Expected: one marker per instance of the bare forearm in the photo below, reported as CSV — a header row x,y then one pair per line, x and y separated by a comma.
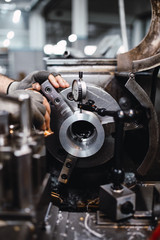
x,y
4,83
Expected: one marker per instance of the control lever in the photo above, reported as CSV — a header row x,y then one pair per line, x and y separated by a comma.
x,y
120,200
120,117
51,94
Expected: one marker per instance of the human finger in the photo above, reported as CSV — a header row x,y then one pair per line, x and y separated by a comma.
x,y
43,126
47,106
46,124
45,111
47,120
62,82
53,81
58,81
36,86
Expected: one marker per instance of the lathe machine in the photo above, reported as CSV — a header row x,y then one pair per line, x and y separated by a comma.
x,y
97,174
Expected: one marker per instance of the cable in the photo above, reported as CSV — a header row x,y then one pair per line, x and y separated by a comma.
x,y
99,235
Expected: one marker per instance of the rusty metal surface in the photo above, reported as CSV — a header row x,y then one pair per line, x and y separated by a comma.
x,y
146,55
88,66
80,62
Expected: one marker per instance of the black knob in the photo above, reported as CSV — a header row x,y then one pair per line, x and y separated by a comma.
x,y
90,102
80,75
64,176
117,178
127,208
124,103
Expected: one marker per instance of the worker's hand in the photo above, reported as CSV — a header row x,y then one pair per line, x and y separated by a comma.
x,y
46,123
39,106
56,80
34,79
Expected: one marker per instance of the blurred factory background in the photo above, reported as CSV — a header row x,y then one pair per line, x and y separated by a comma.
x,y
34,29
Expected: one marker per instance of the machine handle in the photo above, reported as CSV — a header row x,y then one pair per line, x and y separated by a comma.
x,y
50,92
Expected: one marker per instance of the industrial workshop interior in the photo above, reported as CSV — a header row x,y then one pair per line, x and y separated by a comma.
x,y
79,154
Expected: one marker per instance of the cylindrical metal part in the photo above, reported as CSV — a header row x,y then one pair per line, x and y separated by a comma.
x,y
82,134
4,127
25,114
5,170
22,178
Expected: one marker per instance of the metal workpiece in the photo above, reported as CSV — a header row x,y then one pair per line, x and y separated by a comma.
x,y
146,55
82,134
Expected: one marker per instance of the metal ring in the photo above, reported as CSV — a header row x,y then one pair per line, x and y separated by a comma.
x,y
79,143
